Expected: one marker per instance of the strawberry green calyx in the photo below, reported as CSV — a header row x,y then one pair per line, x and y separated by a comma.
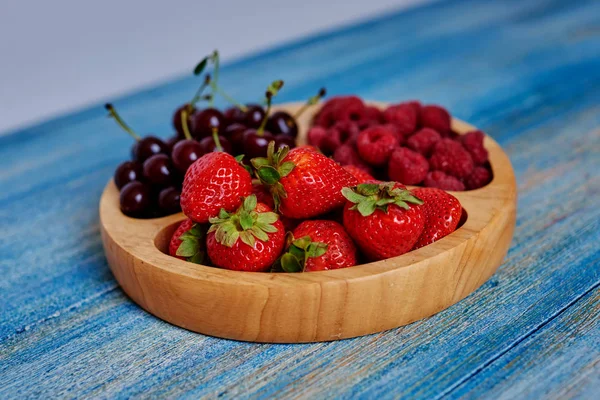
x,y
271,169
192,245
246,224
368,197
299,251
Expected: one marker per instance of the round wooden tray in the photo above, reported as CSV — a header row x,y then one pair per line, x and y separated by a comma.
x,y
314,306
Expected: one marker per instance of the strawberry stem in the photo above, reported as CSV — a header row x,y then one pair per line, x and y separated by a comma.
x,y
113,114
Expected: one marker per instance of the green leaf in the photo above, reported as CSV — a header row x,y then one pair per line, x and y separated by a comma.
x,y
187,248
197,258
250,203
296,252
286,168
383,202
302,243
316,249
246,221
259,234
231,239
223,214
401,204
368,189
352,196
197,231
266,227
367,207
259,162
267,218
289,263
271,152
268,175
283,152
200,67
247,238
275,87
239,158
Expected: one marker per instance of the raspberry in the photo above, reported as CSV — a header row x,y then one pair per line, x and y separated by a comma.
x,y
394,129
423,141
450,157
473,142
341,108
407,167
403,116
480,177
316,134
347,155
435,117
340,133
361,175
416,105
372,116
375,145
441,180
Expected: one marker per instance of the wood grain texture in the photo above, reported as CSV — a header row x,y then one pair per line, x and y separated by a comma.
x,y
311,307
527,73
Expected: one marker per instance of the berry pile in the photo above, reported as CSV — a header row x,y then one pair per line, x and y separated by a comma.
x,y
150,183
304,212
408,143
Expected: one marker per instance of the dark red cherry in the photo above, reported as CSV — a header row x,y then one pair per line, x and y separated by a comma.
x,y
135,199
185,153
283,140
171,142
158,170
177,120
208,145
147,147
233,115
256,145
168,200
254,115
126,172
235,134
206,120
282,123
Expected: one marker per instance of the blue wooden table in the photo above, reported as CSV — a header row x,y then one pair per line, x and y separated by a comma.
x,y
527,72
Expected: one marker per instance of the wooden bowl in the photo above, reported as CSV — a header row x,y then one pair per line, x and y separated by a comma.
x,y
313,306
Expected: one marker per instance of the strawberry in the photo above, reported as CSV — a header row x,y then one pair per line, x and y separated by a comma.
x,y
250,239
442,213
360,174
318,245
187,242
384,219
216,180
304,183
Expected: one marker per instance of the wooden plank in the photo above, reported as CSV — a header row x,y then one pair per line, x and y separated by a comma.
x,y
527,73
560,360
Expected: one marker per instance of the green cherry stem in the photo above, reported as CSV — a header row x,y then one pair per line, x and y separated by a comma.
x,y
184,123
113,114
310,102
214,82
229,98
198,95
215,135
261,129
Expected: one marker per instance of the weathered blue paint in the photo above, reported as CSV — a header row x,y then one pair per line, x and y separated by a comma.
x,y
526,72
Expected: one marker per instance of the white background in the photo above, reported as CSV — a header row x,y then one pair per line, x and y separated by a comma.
x,y
61,55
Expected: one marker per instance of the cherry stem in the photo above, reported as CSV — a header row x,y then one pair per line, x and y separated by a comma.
x,y
215,136
198,96
113,113
310,102
229,98
261,128
184,123
215,80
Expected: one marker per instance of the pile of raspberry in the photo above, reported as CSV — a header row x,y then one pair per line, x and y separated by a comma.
x,y
407,142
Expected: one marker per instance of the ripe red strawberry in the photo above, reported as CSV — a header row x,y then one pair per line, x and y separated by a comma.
x,y
441,180
442,213
480,177
403,116
407,166
251,239
187,242
375,144
437,118
318,245
304,183
360,174
383,219
347,155
473,142
216,180
423,141
451,157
